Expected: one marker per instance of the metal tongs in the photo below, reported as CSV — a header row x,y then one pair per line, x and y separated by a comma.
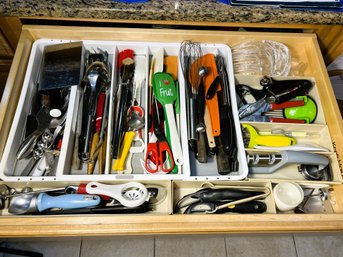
x,y
96,78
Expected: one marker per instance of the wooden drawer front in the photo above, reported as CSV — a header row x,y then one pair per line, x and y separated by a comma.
x,y
303,47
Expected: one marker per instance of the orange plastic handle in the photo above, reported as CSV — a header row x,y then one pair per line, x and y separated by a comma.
x,y
212,104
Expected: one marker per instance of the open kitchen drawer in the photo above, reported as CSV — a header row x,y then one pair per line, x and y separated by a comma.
x,y
304,48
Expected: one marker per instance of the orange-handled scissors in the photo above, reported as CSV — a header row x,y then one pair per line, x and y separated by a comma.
x,y
158,153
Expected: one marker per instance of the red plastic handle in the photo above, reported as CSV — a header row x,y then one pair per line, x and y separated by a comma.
x,y
287,104
284,120
81,189
165,151
150,157
100,111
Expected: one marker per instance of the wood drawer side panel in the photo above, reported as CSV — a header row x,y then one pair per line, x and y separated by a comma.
x,y
13,87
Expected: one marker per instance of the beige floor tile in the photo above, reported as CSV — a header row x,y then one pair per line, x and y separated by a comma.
x,y
50,247
118,246
260,246
189,246
319,245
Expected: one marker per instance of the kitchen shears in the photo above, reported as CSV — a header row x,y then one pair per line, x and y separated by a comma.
x,y
158,155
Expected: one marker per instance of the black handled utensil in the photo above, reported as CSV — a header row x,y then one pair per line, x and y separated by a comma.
x,y
227,143
211,207
124,97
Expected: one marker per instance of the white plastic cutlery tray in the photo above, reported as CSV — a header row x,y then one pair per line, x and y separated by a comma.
x,y
10,171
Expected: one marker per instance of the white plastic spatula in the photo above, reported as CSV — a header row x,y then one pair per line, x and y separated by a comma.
x,y
139,78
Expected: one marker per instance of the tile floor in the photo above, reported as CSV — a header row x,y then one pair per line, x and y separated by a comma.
x,y
257,245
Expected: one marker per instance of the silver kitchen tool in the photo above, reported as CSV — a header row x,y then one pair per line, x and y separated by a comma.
x,y
315,201
34,159
26,147
189,53
312,166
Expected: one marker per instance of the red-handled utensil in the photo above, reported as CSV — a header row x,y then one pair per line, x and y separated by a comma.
x,y
95,138
158,148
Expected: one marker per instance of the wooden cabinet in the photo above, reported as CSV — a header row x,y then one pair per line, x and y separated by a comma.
x,y
305,48
10,28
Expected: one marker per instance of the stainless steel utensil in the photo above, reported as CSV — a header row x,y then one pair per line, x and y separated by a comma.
x,y
190,52
26,147
39,202
96,78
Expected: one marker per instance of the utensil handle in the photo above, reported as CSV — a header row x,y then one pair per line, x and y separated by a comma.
x,y
192,119
100,111
117,192
119,122
40,168
227,128
223,164
28,144
86,138
102,156
201,147
76,160
213,108
145,207
28,168
68,201
274,140
249,207
223,194
120,162
91,164
175,142
210,138
285,120
201,103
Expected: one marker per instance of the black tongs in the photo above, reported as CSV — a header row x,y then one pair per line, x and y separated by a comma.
x,y
275,91
212,207
216,196
279,91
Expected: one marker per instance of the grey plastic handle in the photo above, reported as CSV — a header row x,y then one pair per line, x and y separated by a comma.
x,y
292,157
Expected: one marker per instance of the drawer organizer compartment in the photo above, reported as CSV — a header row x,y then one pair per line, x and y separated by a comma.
x,y
165,198
290,197
298,97
33,128
284,130
194,197
130,94
306,149
76,198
